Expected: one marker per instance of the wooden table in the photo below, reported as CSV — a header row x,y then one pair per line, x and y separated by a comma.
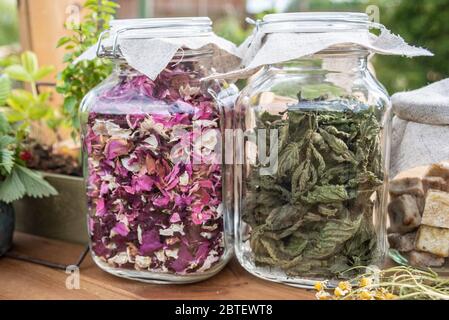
x,y
24,280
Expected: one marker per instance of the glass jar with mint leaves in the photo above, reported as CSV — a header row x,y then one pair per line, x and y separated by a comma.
x,y
152,133
311,161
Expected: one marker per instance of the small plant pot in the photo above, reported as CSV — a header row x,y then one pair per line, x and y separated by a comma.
x,y
61,217
6,227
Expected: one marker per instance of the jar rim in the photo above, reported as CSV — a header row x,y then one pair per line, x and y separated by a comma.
x,y
315,22
157,27
150,28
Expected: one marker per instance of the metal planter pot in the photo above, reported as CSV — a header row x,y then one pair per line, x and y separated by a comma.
x,y
61,217
6,226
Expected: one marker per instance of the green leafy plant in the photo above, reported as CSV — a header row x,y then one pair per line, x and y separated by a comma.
x,y
16,180
77,79
9,59
25,107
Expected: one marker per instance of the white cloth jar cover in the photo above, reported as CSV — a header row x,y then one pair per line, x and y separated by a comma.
x,y
286,36
420,127
148,45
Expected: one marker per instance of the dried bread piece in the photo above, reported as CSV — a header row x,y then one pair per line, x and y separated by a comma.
x,y
439,170
433,240
402,243
436,210
407,185
404,214
425,259
436,183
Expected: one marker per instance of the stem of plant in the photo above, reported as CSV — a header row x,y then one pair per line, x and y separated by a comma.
x,y
33,89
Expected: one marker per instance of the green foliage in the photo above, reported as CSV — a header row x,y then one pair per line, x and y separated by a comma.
x,y
230,27
6,148
24,182
28,70
22,108
25,107
5,89
9,27
17,181
422,23
76,80
8,60
327,5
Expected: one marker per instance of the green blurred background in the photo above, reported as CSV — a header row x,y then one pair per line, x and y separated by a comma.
x,y
424,23
8,22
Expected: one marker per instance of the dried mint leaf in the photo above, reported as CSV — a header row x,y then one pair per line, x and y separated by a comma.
x,y
326,194
333,235
283,217
315,215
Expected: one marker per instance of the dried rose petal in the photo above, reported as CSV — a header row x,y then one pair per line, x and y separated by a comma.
x,y
150,242
161,201
183,260
101,207
115,148
149,210
144,183
121,229
175,218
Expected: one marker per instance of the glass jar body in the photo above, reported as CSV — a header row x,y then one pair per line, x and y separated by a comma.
x,y
156,185
311,170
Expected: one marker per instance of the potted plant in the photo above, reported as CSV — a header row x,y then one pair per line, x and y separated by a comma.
x,y
16,180
63,217
28,111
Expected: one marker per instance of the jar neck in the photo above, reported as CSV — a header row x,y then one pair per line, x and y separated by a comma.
x,y
195,61
349,60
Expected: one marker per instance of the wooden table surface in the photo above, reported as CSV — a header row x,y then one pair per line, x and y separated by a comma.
x,y
24,280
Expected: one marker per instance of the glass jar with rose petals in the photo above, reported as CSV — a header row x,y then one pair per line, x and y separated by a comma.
x,y
156,184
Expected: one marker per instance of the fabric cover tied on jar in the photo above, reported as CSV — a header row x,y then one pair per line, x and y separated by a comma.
x,y
420,133
275,40
144,44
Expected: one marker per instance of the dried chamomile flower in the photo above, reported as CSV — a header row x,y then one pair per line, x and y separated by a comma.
x,y
345,286
339,292
320,285
363,282
323,295
366,295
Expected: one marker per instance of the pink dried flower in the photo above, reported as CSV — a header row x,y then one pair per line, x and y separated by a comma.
x,y
104,189
183,260
199,214
161,201
175,218
115,148
150,242
121,229
144,183
206,184
101,207
139,195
